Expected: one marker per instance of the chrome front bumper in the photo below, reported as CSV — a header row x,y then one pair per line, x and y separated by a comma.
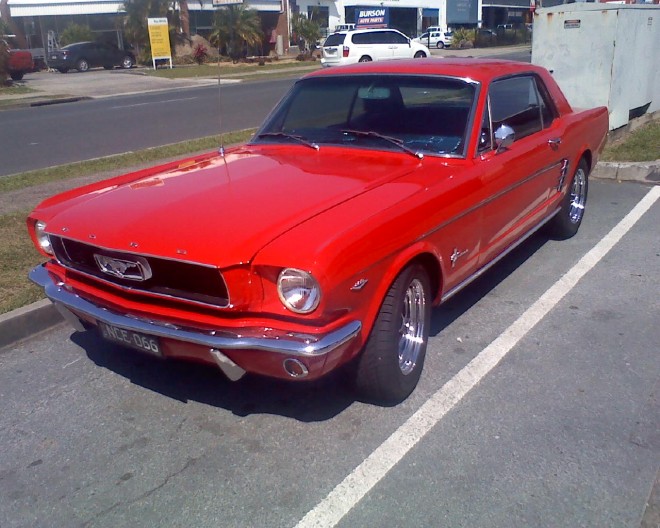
x,y
253,338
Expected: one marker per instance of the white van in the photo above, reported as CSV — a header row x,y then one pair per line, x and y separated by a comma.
x,y
365,45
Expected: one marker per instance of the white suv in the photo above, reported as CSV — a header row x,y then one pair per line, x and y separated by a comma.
x,y
364,45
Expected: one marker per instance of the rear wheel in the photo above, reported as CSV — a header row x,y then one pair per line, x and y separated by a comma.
x,y
82,65
567,221
127,62
17,75
440,44
365,58
391,364
420,55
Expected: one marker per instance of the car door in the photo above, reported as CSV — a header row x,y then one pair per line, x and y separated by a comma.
x,y
380,45
522,179
399,45
93,54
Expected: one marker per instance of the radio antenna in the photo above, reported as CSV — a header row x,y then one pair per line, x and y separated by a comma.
x,y
222,134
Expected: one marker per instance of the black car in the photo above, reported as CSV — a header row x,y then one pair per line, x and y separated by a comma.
x,y
85,55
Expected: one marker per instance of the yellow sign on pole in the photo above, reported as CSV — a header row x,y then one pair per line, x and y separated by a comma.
x,y
159,37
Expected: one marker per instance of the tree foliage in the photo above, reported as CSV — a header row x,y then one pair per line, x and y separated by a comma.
x,y
76,33
135,21
236,29
306,30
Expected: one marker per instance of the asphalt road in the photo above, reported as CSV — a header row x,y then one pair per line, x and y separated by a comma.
x,y
562,432
40,137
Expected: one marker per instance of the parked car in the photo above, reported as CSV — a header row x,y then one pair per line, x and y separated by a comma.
x,y
19,62
371,193
82,56
365,45
436,39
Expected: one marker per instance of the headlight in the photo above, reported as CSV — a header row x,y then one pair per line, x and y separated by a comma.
x,y
298,290
42,237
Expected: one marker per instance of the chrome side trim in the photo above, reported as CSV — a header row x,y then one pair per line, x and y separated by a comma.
x,y
253,338
499,257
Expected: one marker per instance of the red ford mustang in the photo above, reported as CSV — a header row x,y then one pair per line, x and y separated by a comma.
x,y
371,193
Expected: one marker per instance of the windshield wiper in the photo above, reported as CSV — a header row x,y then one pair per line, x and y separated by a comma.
x,y
300,139
394,141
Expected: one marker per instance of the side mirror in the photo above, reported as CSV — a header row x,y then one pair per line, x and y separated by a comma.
x,y
504,137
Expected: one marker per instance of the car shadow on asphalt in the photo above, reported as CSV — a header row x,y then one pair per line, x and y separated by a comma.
x,y
304,401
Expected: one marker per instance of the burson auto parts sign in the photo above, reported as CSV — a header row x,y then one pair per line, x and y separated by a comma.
x,y
372,17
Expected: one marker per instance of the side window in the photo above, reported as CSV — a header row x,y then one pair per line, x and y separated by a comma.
x,y
380,37
361,38
486,133
548,112
397,38
515,102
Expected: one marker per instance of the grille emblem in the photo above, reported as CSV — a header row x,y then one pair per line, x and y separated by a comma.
x,y
137,269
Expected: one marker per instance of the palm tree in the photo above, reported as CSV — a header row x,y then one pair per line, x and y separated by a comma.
x,y
135,22
235,28
306,30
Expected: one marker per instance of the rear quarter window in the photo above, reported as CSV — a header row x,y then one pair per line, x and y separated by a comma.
x,y
336,39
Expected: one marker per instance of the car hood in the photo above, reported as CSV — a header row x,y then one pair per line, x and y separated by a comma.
x,y
222,211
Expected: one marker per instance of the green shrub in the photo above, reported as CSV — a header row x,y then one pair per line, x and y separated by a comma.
x,y
76,33
461,37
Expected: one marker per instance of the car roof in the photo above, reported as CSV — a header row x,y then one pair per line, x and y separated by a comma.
x,y
480,70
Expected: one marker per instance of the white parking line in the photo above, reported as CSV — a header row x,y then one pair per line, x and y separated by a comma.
x,y
364,477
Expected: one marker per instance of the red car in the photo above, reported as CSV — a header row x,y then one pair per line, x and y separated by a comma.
x,y
371,193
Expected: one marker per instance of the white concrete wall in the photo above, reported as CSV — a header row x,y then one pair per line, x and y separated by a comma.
x,y
602,55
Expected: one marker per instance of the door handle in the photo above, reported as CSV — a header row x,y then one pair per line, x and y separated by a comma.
x,y
554,143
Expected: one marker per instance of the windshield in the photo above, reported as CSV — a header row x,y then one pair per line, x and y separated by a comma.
x,y
427,114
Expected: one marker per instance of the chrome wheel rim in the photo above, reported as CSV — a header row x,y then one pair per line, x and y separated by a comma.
x,y
412,331
578,196
127,63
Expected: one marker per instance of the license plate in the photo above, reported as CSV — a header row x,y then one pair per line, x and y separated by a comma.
x,y
128,338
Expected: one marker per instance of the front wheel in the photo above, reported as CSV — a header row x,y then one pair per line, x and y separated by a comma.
x,y
16,75
567,221
440,44
127,62
420,55
391,364
82,65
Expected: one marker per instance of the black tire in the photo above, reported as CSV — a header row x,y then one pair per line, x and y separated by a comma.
x,y
82,65
62,70
567,221
420,55
127,62
365,58
391,363
440,44
16,75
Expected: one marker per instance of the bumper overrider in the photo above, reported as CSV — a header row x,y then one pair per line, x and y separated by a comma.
x,y
258,350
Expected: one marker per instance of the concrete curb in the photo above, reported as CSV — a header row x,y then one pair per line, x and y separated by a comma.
x,y
645,172
27,321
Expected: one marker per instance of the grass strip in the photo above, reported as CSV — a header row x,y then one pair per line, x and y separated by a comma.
x,y
641,145
228,69
17,257
119,161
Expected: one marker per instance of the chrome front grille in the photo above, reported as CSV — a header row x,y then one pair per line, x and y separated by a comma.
x,y
168,278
